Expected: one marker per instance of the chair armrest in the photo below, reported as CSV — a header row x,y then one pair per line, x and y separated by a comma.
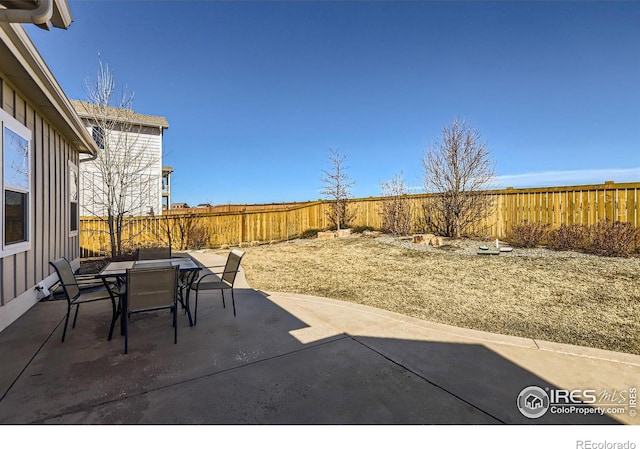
x,y
83,277
201,278
205,275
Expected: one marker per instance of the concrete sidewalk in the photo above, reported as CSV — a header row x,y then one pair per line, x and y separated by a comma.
x,y
288,359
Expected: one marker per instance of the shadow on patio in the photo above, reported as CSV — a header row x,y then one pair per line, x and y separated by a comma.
x,y
284,359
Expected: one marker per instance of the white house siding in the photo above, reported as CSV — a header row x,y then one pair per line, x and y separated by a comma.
x,y
149,148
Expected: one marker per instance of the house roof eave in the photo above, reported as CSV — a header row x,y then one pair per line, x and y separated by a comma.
x,y
83,108
40,13
24,67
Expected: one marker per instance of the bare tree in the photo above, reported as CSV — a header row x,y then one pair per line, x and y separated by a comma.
x,y
120,181
182,231
337,187
396,210
457,171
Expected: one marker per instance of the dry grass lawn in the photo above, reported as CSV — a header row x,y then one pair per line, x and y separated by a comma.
x,y
587,301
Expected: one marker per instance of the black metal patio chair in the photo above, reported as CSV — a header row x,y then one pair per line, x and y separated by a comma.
x,y
225,282
150,289
153,253
80,289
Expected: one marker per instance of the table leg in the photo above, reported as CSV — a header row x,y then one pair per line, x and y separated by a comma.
x,y
116,308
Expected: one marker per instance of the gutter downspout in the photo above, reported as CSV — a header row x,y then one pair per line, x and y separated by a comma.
x,y
41,15
93,157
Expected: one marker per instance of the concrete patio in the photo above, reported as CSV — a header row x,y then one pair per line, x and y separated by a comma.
x,y
286,359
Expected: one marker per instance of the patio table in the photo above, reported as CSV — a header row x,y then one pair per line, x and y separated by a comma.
x,y
118,270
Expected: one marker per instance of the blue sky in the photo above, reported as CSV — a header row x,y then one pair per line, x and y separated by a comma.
x,y
257,93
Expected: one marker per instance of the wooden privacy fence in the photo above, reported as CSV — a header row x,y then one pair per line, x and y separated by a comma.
x,y
553,206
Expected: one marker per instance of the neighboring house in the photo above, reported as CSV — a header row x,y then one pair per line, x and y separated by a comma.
x,y
145,134
41,142
179,206
166,187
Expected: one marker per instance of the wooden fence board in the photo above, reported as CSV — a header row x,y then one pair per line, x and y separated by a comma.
x,y
553,206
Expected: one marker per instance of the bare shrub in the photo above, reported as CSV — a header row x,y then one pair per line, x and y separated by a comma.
x,y
198,237
527,234
341,214
457,171
396,210
568,237
182,232
616,239
337,187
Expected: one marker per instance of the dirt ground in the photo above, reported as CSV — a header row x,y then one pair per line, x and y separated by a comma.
x,y
560,296
566,297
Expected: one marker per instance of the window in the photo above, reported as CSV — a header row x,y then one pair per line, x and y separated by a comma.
x,y
98,136
15,147
74,188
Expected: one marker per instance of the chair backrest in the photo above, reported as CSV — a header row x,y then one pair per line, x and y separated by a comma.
x,y
151,288
232,266
154,253
66,277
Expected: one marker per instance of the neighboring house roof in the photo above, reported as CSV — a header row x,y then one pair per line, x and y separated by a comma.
x,y
85,109
179,205
22,65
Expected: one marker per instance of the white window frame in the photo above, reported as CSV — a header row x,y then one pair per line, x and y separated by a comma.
x,y
97,130
7,121
73,168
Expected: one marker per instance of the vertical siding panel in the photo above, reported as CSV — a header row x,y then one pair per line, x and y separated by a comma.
x,y
49,248
7,99
8,263
30,256
44,242
64,200
39,218
8,291
20,259
57,190
20,274
20,113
